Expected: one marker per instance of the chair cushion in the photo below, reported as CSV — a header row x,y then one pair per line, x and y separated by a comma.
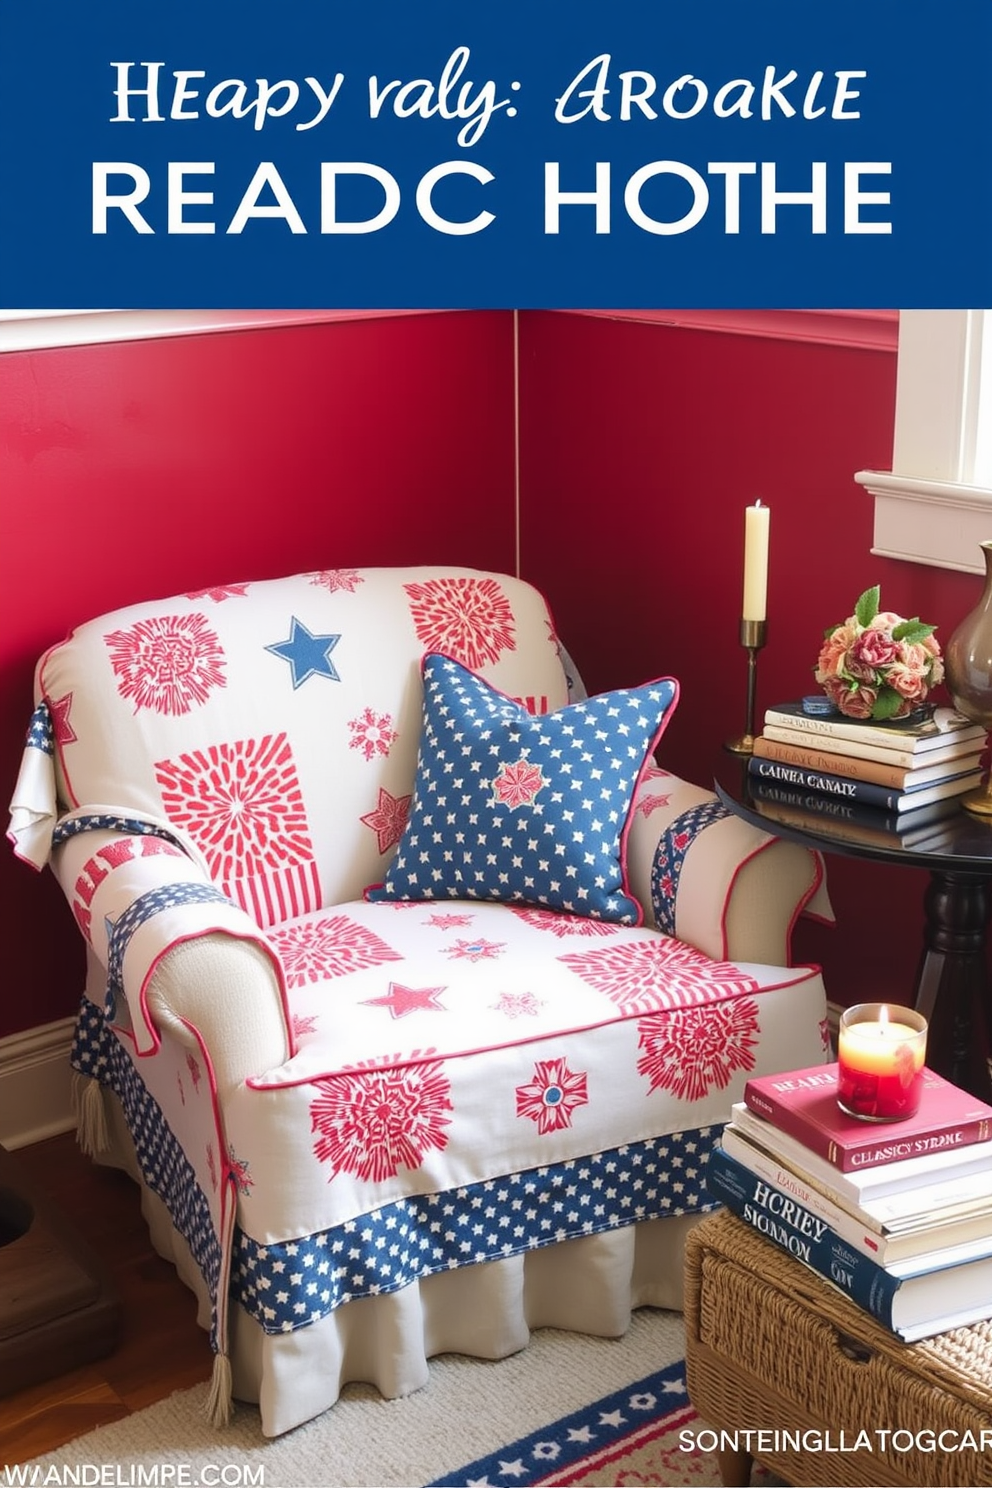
x,y
512,807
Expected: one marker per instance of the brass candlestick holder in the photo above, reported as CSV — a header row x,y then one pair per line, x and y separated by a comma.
x,y
753,635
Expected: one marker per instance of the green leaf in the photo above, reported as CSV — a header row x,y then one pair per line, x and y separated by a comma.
x,y
912,630
887,704
867,606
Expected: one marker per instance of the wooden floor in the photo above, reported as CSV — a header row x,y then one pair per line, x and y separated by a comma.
x,y
161,1347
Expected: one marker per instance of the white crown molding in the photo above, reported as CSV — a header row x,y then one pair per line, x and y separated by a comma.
x,y
33,330
867,330
939,523
36,1084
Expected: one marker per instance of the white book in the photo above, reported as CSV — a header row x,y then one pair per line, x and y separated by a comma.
x,y
935,1245
889,754
892,1191
945,726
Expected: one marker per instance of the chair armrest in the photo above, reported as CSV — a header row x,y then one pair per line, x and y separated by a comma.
x,y
176,951
713,880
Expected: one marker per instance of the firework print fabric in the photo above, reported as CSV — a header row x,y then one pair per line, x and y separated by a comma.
x,y
273,725
467,1079
442,1045
523,808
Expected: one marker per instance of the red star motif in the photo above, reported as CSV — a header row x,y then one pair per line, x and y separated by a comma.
x,y
59,709
402,1000
388,819
647,804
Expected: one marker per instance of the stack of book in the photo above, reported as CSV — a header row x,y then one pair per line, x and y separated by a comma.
x,y
897,1215
864,781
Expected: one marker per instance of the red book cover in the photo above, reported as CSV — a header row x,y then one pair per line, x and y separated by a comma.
x,y
803,1103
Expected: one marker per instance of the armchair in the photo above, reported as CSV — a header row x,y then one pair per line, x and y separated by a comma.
x,y
417,993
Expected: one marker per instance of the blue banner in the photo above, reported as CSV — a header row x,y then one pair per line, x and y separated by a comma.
x,y
644,153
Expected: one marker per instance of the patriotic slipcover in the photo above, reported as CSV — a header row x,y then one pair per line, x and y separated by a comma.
x,y
373,1128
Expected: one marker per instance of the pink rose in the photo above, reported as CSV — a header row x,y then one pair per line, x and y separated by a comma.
x,y
910,682
860,671
856,704
833,652
874,648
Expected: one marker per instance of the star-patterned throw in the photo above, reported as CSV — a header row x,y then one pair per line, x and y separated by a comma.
x,y
521,808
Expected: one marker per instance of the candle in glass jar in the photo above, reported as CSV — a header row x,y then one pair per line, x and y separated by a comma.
x,y
880,1057
756,524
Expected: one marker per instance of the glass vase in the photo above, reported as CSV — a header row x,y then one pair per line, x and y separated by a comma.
x,y
968,674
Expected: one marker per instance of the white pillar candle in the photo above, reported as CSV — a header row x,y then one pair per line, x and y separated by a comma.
x,y
756,520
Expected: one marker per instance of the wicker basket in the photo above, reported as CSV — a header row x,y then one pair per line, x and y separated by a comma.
x,y
772,1348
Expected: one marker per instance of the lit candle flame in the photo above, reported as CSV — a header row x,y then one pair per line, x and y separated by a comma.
x,y
883,1020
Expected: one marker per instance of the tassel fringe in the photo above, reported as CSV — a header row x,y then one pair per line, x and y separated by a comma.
x,y
219,1401
91,1115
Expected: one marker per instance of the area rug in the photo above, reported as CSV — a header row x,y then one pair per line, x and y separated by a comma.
x,y
566,1410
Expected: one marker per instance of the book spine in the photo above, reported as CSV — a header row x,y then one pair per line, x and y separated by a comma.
x,y
787,1223
827,816
808,757
819,780
866,733
851,1223
884,1149
889,754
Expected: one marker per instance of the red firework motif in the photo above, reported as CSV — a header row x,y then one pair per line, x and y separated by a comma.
x,y
552,1096
643,976
388,819
442,921
315,950
334,579
517,784
516,1004
467,619
476,950
192,1064
691,1051
561,924
170,663
219,592
372,733
375,1119
242,805
304,1025
242,1176
59,708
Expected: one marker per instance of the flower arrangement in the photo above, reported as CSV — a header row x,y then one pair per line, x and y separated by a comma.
x,y
876,664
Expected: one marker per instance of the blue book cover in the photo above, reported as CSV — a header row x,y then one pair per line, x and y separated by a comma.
x,y
912,1307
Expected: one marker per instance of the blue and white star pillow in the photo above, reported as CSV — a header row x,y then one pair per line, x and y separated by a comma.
x,y
523,808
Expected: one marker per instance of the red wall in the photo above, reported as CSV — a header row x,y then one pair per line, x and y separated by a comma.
x,y
158,466
641,444
151,467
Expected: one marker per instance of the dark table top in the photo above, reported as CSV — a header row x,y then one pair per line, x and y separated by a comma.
x,y
958,842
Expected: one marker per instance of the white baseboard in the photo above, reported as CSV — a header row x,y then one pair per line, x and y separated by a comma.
x,y
35,1084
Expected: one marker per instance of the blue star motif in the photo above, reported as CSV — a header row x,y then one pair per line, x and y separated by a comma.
x,y
309,655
